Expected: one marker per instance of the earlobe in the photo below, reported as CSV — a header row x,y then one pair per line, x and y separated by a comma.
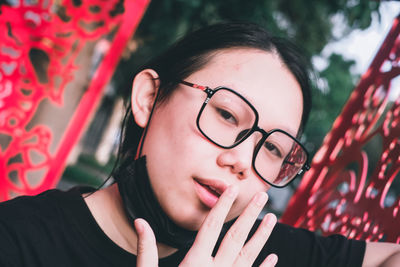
x,y
144,91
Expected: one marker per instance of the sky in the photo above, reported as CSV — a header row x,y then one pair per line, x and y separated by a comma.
x,y
362,45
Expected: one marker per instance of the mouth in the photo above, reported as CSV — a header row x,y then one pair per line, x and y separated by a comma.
x,y
209,191
212,190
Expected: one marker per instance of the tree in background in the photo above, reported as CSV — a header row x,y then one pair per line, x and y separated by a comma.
x,y
309,23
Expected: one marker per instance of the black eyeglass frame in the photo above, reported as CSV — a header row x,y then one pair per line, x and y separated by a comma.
x,y
255,128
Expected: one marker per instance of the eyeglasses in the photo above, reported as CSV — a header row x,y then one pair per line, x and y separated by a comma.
x,y
226,119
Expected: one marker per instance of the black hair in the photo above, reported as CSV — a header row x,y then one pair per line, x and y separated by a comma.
x,y
191,53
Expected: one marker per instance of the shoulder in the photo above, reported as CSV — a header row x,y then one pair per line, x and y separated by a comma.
x,y
22,220
32,213
301,247
30,225
47,205
28,207
25,206
27,216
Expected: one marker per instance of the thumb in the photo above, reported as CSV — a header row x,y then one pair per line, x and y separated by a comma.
x,y
147,255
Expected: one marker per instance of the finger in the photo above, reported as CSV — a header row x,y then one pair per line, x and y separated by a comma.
x,y
270,261
253,247
234,239
147,254
211,227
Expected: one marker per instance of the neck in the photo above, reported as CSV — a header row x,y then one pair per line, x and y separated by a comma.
x,y
107,208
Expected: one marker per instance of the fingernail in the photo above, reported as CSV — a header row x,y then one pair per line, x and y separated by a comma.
x,y
138,226
273,258
270,220
232,191
261,199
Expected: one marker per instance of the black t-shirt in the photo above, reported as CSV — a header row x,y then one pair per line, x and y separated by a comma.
x,y
56,228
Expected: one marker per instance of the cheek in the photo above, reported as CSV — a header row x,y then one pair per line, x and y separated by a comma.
x,y
173,143
172,127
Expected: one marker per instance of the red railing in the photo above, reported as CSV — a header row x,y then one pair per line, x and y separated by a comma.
x,y
44,56
347,190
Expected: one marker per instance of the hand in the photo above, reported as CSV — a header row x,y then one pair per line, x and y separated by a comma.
x,y
233,251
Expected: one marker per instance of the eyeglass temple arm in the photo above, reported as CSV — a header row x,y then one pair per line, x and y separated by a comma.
x,y
306,166
201,87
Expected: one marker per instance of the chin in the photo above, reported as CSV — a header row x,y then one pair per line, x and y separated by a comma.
x,y
190,220
191,226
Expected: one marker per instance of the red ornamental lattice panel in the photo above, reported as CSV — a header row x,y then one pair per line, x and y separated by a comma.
x,y
50,51
354,183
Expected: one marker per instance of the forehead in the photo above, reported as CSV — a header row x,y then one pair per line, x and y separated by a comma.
x,y
261,78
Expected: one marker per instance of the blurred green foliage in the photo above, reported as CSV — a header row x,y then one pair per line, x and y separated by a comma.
x,y
308,23
329,99
88,171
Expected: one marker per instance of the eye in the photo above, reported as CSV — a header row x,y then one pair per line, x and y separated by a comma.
x,y
227,116
272,148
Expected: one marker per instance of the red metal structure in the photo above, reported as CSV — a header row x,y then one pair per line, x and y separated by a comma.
x,y
347,191
41,43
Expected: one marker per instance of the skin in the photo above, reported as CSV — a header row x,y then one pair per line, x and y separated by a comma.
x,y
276,96
177,153
176,149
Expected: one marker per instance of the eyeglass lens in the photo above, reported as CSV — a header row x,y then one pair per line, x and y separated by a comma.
x,y
226,119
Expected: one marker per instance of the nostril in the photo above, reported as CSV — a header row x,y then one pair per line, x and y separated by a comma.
x,y
237,163
240,173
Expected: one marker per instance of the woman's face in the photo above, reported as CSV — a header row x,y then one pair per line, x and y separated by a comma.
x,y
182,163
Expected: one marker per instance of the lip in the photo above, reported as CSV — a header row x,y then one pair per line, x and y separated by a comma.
x,y
209,190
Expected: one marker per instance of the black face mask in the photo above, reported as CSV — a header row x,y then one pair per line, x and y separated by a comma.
x,y
140,202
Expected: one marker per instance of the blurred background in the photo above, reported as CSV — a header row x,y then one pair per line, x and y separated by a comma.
x,y
339,38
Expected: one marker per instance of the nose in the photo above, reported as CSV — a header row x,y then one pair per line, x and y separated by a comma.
x,y
239,158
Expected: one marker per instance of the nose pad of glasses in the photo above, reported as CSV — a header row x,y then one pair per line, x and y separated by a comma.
x,y
241,135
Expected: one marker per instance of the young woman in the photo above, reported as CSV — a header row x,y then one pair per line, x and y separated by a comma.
x,y
221,111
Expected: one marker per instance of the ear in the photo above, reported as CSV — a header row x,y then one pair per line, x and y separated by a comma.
x,y
144,91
